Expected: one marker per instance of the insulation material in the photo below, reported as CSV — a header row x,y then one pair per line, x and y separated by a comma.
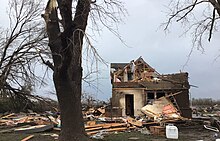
x,y
161,108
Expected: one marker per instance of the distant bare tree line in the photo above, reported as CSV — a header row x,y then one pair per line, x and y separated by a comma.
x,y
205,101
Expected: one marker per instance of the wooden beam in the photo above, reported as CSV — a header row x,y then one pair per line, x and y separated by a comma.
x,y
27,138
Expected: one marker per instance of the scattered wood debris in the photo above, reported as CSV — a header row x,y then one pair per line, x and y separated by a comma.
x,y
28,138
156,116
34,129
157,130
134,122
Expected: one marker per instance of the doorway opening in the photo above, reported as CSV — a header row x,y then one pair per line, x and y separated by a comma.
x,y
129,105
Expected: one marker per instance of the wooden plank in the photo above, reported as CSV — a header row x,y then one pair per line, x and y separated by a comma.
x,y
106,125
92,132
57,129
134,122
34,129
93,126
5,122
91,123
92,129
8,115
27,138
117,129
118,124
53,120
112,125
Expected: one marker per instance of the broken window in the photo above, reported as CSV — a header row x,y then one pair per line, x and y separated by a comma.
x,y
150,97
160,94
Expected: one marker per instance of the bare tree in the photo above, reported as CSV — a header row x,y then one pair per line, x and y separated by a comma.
x,y
66,37
23,45
199,16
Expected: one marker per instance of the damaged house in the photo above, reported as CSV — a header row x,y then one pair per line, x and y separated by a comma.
x,y
137,84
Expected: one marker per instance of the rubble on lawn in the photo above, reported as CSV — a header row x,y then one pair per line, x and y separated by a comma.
x,y
156,116
27,122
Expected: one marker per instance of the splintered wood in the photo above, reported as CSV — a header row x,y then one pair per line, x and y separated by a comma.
x,y
106,127
35,123
27,138
27,123
134,122
157,130
14,119
130,124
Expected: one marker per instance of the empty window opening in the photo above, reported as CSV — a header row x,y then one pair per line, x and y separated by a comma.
x,y
160,94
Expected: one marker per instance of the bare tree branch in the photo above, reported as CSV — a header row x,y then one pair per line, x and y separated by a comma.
x,y
212,24
18,56
201,25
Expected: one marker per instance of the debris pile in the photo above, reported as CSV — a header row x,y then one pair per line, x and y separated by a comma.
x,y
156,120
16,119
94,113
161,110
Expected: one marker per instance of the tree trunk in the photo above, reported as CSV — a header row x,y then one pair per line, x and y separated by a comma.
x,y
66,48
69,96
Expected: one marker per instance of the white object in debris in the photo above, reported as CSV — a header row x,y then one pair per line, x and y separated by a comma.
x,y
217,139
59,123
171,131
155,79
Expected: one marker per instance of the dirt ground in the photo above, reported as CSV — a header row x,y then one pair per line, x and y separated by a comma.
x,y
192,133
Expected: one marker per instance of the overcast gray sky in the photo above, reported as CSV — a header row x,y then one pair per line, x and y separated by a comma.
x,y
167,53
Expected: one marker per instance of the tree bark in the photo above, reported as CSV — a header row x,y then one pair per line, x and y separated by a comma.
x,y
69,97
66,48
